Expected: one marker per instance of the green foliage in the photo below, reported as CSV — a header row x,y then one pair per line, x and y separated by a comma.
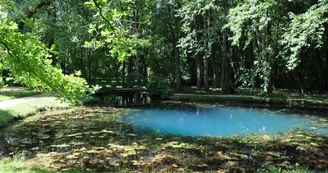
x,y
279,30
122,41
248,77
259,23
159,83
28,60
296,169
192,16
304,31
128,41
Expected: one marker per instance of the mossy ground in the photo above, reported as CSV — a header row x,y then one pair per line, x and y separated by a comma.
x,y
95,139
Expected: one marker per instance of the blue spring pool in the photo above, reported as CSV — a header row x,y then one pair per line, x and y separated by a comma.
x,y
219,121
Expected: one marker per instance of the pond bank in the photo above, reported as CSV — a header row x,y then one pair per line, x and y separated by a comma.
x,y
291,102
95,139
20,108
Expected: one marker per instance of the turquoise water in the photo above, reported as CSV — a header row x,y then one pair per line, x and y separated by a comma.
x,y
217,121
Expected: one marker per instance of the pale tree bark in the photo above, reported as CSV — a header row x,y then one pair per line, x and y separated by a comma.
x,y
300,78
198,57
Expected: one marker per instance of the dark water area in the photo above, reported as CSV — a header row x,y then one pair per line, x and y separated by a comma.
x,y
221,121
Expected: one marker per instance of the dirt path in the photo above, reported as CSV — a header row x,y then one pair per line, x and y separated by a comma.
x,y
13,102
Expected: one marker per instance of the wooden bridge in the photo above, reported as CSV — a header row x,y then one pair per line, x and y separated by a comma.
x,y
126,96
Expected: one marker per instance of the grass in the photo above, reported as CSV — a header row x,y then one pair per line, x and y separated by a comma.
x,y
26,109
19,165
15,92
297,169
253,96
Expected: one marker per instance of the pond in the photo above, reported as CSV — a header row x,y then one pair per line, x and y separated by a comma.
x,y
96,139
220,121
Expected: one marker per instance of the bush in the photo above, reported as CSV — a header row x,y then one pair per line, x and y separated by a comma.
x,y
160,84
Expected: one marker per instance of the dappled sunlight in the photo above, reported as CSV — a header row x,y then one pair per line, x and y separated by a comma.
x,y
95,139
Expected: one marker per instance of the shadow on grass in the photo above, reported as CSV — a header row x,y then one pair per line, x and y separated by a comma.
x,y
6,117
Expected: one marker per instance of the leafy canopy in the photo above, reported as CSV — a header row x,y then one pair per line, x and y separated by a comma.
x,y
28,61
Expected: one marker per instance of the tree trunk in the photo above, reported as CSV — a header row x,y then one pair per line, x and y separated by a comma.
x,y
234,64
199,65
300,78
144,68
320,70
178,75
326,59
215,82
89,65
32,12
4,76
123,75
130,73
206,71
198,57
175,30
226,82
137,60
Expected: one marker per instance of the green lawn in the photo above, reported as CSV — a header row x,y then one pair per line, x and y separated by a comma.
x,y
23,110
15,92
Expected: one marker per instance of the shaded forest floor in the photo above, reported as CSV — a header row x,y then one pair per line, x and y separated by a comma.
x,y
95,139
284,98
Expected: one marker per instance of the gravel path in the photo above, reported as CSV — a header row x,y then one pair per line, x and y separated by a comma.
x,y
13,102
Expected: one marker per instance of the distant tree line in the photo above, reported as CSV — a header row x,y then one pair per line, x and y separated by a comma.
x,y
175,43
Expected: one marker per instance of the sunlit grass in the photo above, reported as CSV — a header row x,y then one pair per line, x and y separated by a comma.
x,y
15,92
29,108
20,165
296,169
17,165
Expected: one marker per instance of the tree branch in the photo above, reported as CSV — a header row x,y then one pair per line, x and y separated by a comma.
x,y
32,12
10,52
103,17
